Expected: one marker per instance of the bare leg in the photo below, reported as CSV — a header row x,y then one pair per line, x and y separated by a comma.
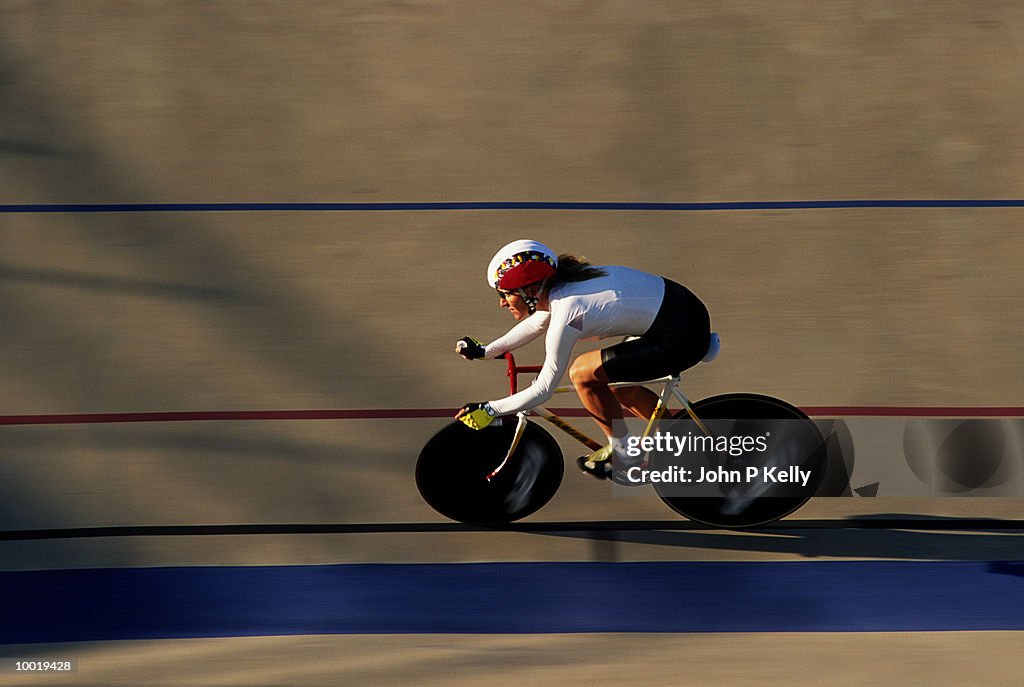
x,y
591,384
638,400
603,403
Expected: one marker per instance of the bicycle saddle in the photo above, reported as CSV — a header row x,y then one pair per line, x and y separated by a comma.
x,y
714,348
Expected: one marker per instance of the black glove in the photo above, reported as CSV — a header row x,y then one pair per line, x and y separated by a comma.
x,y
469,348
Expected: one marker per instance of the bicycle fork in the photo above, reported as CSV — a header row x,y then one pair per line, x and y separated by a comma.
x,y
517,437
553,419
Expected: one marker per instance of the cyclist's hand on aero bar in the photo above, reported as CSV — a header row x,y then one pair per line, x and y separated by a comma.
x,y
469,348
476,415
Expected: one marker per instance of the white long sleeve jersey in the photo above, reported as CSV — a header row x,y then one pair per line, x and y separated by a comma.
x,y
623,303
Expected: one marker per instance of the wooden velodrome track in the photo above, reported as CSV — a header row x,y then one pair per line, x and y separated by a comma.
x,y
206,308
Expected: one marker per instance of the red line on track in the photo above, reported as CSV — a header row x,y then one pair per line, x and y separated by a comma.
x,y
226,415
912,411
412,413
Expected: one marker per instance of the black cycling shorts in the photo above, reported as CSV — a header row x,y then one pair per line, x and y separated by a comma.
x,y
677,340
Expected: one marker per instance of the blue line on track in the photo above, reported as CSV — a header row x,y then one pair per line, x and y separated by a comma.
x,y
501,205
819,596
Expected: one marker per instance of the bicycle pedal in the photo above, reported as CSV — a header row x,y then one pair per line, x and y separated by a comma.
x,y
601,470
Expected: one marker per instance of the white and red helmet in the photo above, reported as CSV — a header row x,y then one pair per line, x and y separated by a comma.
x,y
520,264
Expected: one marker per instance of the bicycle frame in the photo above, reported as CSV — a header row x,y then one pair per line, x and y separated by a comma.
x,y
669,390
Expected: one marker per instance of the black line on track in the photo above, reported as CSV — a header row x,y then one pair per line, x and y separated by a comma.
x,y
856,523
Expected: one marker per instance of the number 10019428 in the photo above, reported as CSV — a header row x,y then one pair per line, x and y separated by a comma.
x,y
54,666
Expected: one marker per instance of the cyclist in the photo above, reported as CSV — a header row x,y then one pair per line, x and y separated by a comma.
x,y
567,299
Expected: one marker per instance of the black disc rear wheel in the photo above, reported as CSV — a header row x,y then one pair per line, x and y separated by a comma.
x,y
801,444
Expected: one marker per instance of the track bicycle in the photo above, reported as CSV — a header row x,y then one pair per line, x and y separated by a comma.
x,y
512,468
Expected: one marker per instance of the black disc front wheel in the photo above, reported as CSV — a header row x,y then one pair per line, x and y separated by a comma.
x,y
452,470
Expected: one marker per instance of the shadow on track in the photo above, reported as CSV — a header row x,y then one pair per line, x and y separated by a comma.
x,y
879,536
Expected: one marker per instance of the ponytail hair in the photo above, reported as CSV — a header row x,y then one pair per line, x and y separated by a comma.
x,y
572,268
